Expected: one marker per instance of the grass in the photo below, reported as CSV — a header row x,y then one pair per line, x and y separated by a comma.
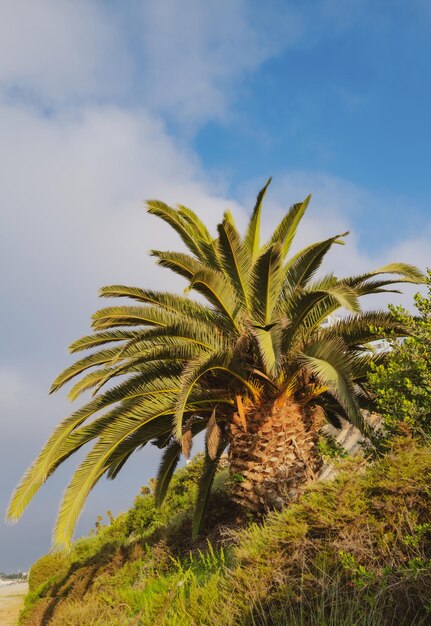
x,y
352,550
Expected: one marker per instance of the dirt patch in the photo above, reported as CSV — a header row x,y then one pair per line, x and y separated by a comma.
x,y
11,603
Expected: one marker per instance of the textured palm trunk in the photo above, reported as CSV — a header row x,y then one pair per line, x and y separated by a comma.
x,y
273,454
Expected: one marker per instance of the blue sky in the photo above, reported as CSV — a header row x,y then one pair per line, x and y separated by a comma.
x,y
105,104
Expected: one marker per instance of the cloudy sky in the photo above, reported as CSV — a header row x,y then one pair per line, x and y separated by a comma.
x,y
104,104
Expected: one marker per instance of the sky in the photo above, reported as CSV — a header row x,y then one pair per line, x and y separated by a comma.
x,y
105,104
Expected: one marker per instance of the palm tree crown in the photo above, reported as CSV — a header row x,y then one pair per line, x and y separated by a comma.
x,y
184,366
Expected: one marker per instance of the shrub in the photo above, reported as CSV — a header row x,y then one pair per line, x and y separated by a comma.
x,y
52,566
402,385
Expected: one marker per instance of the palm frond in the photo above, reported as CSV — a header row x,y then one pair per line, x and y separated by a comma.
x,y
131,316
266,284
169,462
303,266
330,363
177,305
204,487
409,272
102,357
96,463
179,262
252,234
358,330
269,347
202,366
213,436
156,357
89,381
56,450
218,291
151,431
236,260
199,227
286,230
187,230
98,339
299,309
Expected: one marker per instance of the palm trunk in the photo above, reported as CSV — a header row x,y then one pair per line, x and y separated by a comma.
x,y
274,456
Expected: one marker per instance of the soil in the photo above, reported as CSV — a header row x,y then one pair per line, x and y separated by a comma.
x,y
11,603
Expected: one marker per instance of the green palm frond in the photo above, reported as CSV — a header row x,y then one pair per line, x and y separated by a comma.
x,y
266,283
286,230
200,229
330,363
358,330
130,393
303,266
202,366
176,305
379,286
131,316
252,235
128,358
362,363
152,357
56,450
301,307
236,260
89,381
169,462
190,330
86,433
218,291
103,357
269,346
152,431
187,230
97,462
99,339
204,487
179,262
410,272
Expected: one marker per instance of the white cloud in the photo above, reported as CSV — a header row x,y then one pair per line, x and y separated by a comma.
x,y
184,59
188,60
53,51
194,52
73,217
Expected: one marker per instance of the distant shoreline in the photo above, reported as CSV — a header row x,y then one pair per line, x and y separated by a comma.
x,y
12,587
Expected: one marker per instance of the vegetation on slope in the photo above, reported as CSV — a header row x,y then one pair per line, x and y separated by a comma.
x,y
402,385
353,550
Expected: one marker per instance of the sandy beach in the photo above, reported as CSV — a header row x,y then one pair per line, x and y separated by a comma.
x,y
11,602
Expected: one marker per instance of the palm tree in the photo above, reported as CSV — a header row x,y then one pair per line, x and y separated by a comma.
x,y
255,366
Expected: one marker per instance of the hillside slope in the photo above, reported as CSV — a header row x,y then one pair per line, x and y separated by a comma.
x,y
352,550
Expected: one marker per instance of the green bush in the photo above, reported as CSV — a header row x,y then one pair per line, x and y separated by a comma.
x,y
402,384
52,566
143,518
